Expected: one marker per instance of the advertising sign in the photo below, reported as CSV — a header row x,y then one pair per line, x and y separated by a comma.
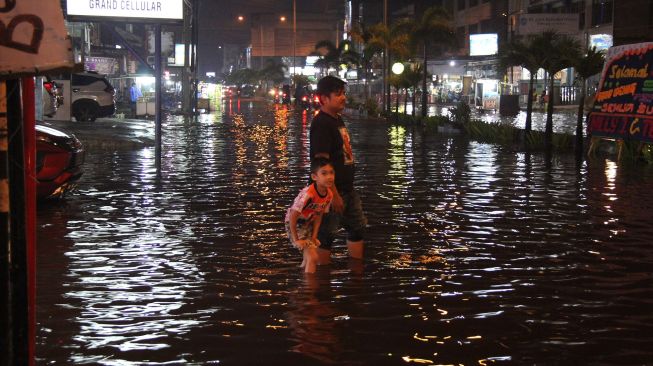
x,y
32,37
155,10
539,23
601,41
102,65
483,44
623,108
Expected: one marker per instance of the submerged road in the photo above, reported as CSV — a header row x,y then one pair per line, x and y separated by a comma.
x,y
475,254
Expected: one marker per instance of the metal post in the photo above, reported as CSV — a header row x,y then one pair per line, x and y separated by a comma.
x,y
29,177
294,36
6,340
16,246
386,91
157,96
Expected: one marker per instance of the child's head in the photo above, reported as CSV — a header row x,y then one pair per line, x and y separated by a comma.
x,y
322,172
331,92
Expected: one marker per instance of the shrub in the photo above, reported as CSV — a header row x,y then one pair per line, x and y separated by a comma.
x,y
461,113
371,107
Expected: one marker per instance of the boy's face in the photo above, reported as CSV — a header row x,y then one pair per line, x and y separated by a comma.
x,y
324,176
334,102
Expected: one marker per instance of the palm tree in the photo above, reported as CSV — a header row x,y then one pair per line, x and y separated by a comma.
x,y
562,50
434,32
333,57
413,76
586,66
396,82
396,40
370,47
273,71
527,55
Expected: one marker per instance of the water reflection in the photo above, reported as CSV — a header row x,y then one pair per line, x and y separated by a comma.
x,y
475,254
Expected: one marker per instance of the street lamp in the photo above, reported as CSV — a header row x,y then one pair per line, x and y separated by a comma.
x,y
397,68
240,18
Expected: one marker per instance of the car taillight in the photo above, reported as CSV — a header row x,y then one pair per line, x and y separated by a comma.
x,y
304,98
48,86
316,99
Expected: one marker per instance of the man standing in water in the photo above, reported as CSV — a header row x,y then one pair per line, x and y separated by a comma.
x,y
330,139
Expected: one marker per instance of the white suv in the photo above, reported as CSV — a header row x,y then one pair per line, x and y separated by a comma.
x,y
92,96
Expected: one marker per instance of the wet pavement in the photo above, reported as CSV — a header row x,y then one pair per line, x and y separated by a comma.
x,y
475,254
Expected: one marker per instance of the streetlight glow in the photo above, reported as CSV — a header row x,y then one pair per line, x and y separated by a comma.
x,y
282,18
241,18
397,68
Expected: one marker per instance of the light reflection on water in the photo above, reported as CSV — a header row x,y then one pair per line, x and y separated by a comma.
x,y
475,254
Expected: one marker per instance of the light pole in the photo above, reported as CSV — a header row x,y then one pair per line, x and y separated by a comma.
x,y
294,37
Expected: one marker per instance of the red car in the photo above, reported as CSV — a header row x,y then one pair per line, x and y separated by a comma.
x,y
59,160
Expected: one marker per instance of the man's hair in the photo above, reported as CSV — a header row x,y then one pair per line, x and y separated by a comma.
x,y
329,84
318,163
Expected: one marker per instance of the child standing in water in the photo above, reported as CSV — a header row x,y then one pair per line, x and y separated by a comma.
x,y
304,216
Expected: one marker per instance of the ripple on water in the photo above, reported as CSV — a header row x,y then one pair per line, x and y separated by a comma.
x,y
474,254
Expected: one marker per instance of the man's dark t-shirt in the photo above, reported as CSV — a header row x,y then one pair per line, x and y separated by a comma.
x,y
329,135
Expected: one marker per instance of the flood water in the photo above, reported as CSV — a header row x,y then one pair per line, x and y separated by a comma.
x,y
475,254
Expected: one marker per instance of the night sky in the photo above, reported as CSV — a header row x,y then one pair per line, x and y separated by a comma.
x,y
218,24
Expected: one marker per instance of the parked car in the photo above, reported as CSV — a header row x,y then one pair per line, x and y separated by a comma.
x,y
59,160
92,96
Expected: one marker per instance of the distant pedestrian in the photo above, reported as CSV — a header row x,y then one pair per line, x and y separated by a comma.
x,y
134,94
543,99
304,216
329,139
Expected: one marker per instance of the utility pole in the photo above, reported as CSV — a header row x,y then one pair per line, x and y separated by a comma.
x,y
386,104
185,72
294,36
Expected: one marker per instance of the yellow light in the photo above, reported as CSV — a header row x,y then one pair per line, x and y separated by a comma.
x,y
283,18
241,18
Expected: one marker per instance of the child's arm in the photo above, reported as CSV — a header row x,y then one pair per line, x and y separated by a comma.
x,y
317,221
294,215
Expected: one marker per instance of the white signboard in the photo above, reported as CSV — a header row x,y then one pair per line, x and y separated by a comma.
x,y
483,44
539,23
601,41
32,37
145,9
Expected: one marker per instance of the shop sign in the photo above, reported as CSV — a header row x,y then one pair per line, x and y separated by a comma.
x,y
540,23
126,9
623,107
33,37
102,65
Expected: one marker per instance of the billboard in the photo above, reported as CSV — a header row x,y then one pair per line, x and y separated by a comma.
x,y
33,37
539,23
154,10
601,41
483,44
623,107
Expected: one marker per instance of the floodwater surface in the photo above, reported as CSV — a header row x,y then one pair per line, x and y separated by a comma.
x,y
475,254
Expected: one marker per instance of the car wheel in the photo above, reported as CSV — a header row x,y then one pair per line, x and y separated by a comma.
x,y
84,111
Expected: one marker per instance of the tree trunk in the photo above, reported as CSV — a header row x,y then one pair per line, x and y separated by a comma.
x,y
388,89
406,100
548,132
579,119
397,104
424,92
529,106
414,100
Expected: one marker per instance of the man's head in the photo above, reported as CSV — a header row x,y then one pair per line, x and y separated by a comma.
x,y
331,91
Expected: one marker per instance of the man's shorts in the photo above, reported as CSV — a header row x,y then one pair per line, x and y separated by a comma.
x,y
353,220
304,231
